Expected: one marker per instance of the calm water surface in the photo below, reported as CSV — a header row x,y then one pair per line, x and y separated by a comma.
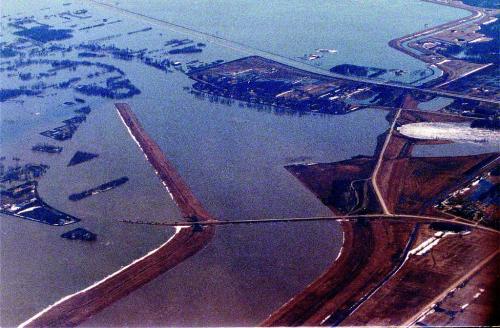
x,y
358,30
232,157
454,149
244,274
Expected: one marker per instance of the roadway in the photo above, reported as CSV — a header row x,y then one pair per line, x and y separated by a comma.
x,y
379,163
463,75
423,218
475,14
386,215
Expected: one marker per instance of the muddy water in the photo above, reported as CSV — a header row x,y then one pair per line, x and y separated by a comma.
x,y
244,274
38,267
358,30
231,156
233,159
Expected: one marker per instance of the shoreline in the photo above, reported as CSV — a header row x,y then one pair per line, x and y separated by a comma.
x,y
345,292
74,309
449,73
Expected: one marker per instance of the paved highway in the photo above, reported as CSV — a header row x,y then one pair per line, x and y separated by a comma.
x,y
425,218
379,163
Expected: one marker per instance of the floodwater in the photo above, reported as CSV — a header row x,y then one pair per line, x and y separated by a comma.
x,y
246,271
39,267
358,30
244,274
231,156
453,149
435,104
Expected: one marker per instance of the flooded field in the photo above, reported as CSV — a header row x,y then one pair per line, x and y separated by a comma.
x,y
354,29
35,253
435,104
453,149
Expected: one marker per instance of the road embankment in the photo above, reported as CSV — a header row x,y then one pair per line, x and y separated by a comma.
x,y
370,253
181,193
76,308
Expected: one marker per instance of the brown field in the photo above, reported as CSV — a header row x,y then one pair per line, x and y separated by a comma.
x,y
371,250
480,292
410,185
401,146
415,116
426,279
370,284
344,187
